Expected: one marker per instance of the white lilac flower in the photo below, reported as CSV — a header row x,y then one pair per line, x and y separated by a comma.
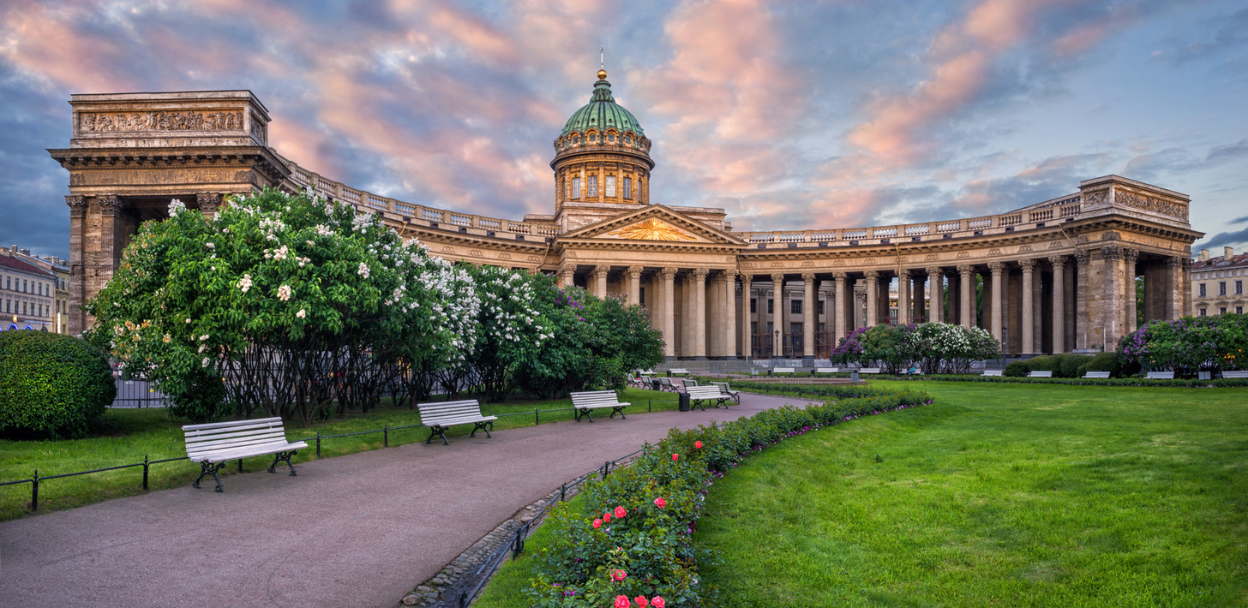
x,y
301,314
283,293
203,338
176,207
243,284
210,246
363,270
205,362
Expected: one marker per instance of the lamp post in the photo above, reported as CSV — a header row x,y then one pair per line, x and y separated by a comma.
x,y
780,343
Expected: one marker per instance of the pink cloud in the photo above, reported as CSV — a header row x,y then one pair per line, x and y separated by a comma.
x,y
42,42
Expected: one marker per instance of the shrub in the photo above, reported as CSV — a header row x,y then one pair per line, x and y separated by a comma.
x,y
1045,363
1071,364
1017,369
51,386
1104,362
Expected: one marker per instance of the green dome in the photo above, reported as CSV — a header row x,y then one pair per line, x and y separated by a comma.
x,y
602,113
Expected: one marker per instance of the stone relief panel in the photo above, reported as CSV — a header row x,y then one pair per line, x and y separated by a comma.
x,y
1151,204
161,121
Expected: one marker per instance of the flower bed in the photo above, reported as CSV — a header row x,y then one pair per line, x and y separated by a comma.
x,y
1146,382
629,542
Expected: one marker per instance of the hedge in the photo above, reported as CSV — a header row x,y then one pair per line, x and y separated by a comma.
x,y
51,386
631,537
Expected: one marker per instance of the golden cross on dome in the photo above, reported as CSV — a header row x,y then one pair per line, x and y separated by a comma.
x,y
602,63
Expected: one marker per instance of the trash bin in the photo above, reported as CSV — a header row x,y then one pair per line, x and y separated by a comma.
x,y
684,402
853,376
656,385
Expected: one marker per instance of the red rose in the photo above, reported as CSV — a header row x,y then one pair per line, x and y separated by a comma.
x,y
620,512
606,517
617,576
597,523
658,602
697,444
621,601
641,601
675,457
660,503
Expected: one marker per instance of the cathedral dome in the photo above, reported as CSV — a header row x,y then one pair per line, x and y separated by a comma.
x,y
602,113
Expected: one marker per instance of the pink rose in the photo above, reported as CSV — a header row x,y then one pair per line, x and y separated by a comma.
x,y
597,523
621,601
658,602
675,457
620,512
697,444
660,503
606,517
618,575
641,601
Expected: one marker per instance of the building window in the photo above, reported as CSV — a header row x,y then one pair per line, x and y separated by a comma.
x,y
8,282
1202,312
628,188
820,306
24,288
795,329
611,186
591,190
754,327
753,305
1239,310
771,306
1201,290
642,296
795,307
1221,288
1221,310
1239,288
576,188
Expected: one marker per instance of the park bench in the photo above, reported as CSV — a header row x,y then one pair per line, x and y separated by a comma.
x,y
827,370
212,444
782,370
677,370
1091,375
647,381
993,372
869,370
699,394
725,389
583,402
1161,375
665,384
440,416
1040,374
1235,374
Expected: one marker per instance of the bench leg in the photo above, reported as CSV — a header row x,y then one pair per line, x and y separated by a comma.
x,y
283,457
437,431
582,413
620,411
480,426
208,468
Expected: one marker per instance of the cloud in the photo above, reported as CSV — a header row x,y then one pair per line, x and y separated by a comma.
x,y
1238,238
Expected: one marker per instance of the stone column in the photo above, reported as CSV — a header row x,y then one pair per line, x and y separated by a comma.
x,y
839,313
669,311
777,298
967,299
76,317
730,309
1082,321
602,182
109,207
883,301
714,329
1028,320
1186,281
1174,289
903,296
567,274
699,312
918,307
747,336
1112,321
600,280
209,202
634,284
936,295
687,321
1059,302
996,268
873,292
1129,257
808,315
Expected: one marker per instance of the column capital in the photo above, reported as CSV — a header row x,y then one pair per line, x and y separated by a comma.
x,y
746,278
700,273
1187,264
669,273
1111,253
933,271
809,278
731,273
1130,255
1028,264
777,278
77,205
634,272
601,269
966,269
1057,260
840,276
109,204
567,268
1173,263
995,267
208,202
871,275
1082,257
904,273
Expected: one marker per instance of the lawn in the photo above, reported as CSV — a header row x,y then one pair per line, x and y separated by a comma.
x,y
127,435
996,495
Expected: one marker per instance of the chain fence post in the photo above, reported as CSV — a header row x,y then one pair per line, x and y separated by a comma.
x,y
34,492
145,465
318,444
385,436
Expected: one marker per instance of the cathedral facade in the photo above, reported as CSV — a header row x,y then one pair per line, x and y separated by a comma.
x,y
1056,276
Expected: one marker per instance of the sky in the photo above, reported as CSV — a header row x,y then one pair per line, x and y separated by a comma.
x,y
789,115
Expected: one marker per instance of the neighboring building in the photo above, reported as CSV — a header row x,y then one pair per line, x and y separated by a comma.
x,y
1056,276
1218,284
29,292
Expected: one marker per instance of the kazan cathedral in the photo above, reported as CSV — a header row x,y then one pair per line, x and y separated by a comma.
x,y
1057,276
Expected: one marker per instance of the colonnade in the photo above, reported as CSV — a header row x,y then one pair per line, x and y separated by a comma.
x,y
1055,303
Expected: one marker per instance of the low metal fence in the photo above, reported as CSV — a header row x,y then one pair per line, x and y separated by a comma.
x,y
136,394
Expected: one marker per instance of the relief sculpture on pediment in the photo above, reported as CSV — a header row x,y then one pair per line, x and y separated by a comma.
x,y
160,121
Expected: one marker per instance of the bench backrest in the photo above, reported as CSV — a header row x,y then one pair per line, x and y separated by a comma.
x,y
664,381
1235,374
678,370
993,372
440,411
1096,375
214,436
1040,374
1161,375
869,370
704,392
827,370
591,398
782,370
722,386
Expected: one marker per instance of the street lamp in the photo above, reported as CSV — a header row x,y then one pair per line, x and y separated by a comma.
x,y
779,343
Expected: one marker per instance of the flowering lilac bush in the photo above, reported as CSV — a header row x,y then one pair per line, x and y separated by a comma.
x,y
1188,344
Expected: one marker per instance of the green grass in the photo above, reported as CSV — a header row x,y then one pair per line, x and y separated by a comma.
x,y
996,495
126,435
506,589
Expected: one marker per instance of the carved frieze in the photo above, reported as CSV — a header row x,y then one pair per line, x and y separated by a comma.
x,y
1151,204
160,121
932,257
1055,245
994,251
504,256
1025,249
1093,199
534,258
962,255
475,253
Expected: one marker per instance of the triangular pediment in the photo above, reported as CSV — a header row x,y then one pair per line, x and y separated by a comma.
x,y
653,224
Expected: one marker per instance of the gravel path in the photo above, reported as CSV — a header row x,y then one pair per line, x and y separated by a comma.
x,y
353,531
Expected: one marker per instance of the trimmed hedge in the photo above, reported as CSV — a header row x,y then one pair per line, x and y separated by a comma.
x,y
632,534
1132,381
51,386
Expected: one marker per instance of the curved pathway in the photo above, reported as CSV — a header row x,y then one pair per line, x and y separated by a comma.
x,y
358,530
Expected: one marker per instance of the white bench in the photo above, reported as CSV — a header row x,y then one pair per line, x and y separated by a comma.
x,y
782,370
1235,374
827,370
440,416
725,389
1161,375
678,370
699,394
583,402
869,370
993,372
665,384
1040,374
212,444
1091,375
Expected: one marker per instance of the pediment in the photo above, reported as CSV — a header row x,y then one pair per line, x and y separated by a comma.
x,y
655,224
